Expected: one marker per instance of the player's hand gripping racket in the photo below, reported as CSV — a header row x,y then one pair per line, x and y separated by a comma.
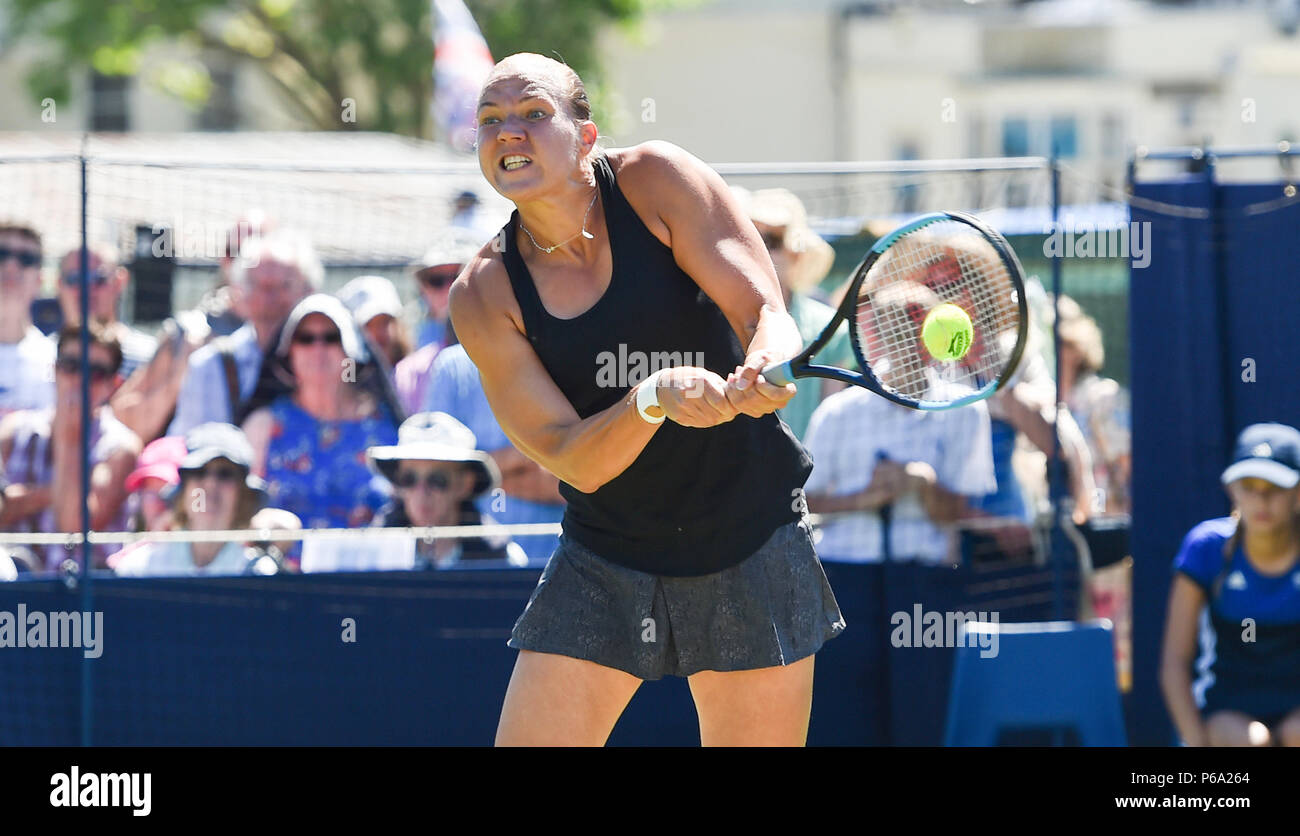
x,y
911,345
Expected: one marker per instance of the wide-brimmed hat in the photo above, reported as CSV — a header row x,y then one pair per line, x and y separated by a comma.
x,y
435,437
215,440
813,257
369,296
160,459
1266,451
338,313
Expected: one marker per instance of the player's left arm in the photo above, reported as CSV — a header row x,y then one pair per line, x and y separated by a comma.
x,y
715,244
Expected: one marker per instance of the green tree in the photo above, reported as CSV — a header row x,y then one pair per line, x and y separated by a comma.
x,y
319,53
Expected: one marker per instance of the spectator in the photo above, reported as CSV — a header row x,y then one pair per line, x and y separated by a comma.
x,y
26,355
108,280
436,474
435,272
1100,406
377,309
42,450
529,494
467,215
802,259
1236,594
217,493
147,401
901,478
156,475
272,275
441,264
310,445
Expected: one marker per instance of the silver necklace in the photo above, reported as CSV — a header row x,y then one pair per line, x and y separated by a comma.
x,y
583,232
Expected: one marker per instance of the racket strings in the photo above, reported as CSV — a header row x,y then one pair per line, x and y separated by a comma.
x,y
945,262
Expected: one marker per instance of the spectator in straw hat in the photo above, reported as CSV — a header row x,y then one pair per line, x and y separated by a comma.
x,y
802,259
217,492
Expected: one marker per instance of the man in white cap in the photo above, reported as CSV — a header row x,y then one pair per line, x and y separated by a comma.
x,y
377,309
434,273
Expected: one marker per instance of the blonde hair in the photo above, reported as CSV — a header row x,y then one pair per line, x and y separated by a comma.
x,y
1083,333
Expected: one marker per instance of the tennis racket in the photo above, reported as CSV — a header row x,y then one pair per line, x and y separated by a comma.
x,y
946,257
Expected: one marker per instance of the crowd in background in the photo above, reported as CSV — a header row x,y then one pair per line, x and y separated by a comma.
x,y
280,404
277,406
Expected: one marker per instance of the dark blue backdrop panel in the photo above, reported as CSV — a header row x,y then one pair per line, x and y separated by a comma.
x,y
1176,373
265,661
1262,274
1218,289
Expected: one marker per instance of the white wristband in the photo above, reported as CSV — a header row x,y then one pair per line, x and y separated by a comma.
x,y
647,395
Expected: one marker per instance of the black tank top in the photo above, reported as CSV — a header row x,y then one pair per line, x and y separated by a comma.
x,y
695,501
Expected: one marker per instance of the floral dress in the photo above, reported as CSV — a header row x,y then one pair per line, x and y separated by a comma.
x,y
317,469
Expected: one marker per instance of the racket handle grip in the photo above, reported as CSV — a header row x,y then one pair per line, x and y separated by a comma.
x,y
779,374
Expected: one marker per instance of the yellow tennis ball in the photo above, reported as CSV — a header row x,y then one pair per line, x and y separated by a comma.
x,y
947,332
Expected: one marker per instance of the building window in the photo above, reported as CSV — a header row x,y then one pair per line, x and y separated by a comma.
x,y
1064,137
110,102
220,112
1015,137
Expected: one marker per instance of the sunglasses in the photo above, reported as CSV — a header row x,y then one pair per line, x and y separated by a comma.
x,y
224,473
314,337
26,258
72,365
437,281
99,278
774,241
432,481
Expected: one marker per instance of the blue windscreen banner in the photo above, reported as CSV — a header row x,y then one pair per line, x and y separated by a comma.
x,y
1213,349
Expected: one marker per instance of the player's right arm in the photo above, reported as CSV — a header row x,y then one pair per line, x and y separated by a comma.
x,y
1186,599
535,414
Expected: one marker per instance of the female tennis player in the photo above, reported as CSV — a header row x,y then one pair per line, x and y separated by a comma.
x,y
1236,594
685,550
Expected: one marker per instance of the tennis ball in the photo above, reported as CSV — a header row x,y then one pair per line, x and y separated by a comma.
x,y
947,332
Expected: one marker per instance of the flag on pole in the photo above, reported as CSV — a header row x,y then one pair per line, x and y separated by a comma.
x,y
461,63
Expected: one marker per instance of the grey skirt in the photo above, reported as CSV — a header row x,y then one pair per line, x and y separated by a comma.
x,y
773,608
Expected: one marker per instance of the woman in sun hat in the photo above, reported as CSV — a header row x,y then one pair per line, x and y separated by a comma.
x,y
802,259
1236,596
217,492
436,474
